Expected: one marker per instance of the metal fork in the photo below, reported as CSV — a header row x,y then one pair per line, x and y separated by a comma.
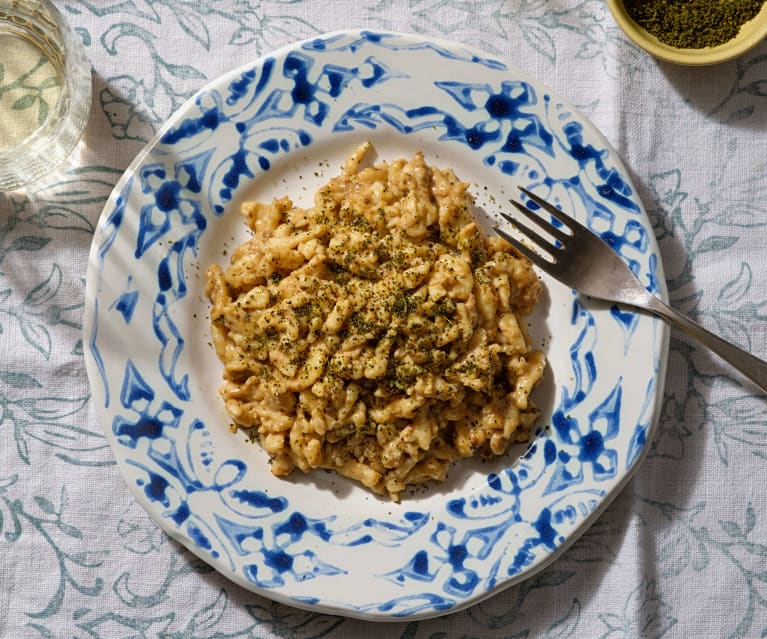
x,y
583,261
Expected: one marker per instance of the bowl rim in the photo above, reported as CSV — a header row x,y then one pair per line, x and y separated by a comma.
x,y
751,34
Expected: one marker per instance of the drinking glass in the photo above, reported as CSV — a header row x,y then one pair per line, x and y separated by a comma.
x,y
45,91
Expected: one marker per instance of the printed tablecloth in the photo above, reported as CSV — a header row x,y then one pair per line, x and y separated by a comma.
x,y
682,551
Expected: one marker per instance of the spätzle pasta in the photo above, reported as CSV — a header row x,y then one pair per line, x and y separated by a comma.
x,y
378,333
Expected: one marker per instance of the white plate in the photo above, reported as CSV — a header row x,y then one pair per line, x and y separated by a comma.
x,y
282,125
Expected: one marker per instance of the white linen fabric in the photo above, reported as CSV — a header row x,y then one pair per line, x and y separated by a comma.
x,y
682,552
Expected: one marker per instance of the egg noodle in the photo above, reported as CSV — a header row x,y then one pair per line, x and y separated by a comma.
x,y
378,333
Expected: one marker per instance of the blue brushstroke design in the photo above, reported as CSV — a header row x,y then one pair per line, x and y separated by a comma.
x,y
107,235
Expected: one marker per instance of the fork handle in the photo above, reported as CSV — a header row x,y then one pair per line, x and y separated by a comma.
x,y
751,366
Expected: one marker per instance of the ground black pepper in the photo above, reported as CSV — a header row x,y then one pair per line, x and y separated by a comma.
x,y
693,24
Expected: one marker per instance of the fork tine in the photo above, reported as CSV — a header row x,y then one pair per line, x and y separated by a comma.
x,y
536,258
550,208
544,224
540,241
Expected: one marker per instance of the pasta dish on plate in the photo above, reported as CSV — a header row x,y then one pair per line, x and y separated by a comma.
x,y
379,333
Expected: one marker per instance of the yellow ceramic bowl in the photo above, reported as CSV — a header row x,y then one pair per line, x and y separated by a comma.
x,y
751,34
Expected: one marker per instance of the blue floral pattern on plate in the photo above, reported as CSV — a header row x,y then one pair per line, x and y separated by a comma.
x,y
275,126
